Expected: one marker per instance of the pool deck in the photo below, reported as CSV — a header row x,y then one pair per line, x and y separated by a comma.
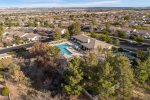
x,y
70,49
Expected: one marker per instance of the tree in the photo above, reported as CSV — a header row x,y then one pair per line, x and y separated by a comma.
x,y
139,39
140,54
47,58
92,29
105,32
67,35
98,75
94,23
57,35
54,52
39,49
74,29
128,17
116,42
143,71
123,77
1,31
103,77
46,24
108,39
14,69
5,91
73,77
72,17
122,34
106,81
17,40
125,24
44,49
107,25
60,25
35,24
90,68
91,59
29,24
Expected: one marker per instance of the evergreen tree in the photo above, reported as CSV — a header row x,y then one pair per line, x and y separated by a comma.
x,y
57,35
74,29
54,52
106,81
116,42
67,35
123,77
143,71
94,23
73,77
1,31
140,54
107,25
17,40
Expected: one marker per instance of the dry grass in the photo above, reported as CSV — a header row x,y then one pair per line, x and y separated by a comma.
x,y
6,62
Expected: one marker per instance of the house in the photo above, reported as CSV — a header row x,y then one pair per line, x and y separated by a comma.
x,y
32,37
11,35
88,43
127,30
20,34
144,33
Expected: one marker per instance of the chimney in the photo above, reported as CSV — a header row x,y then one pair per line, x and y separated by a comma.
x,y
88,40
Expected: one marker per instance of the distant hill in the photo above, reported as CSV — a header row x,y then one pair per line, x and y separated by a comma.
x,y
86,8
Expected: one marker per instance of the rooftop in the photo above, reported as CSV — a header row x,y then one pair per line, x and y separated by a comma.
x,y
91,43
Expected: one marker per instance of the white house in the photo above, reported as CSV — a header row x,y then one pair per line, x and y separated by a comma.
x,y
33,37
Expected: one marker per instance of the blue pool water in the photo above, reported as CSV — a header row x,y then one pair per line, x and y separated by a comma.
x,y
63,48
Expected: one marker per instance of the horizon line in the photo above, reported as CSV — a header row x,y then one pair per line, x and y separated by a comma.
x,y
85,7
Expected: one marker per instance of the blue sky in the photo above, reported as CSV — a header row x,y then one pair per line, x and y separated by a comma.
x,y
74,3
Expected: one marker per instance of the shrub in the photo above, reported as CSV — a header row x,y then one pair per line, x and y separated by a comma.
x,y
5,91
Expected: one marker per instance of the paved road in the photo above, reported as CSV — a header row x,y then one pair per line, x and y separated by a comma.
x,y
146,42
132,45
6,50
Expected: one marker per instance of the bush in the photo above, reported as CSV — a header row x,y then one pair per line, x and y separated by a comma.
x,y
122,34
5,91
139,39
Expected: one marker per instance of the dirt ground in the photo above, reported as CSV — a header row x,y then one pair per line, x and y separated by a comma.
x,y
17,92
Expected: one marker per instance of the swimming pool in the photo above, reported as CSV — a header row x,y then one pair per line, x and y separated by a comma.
x,y
63,48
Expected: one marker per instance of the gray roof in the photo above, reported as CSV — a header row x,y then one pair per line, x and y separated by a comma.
x,y
93,43
89,45
81,38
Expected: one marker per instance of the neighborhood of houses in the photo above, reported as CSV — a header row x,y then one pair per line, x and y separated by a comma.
x,y
74,33
22,35
35,27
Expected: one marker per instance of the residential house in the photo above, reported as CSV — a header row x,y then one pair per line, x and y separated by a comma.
x,y
20,34
144,33
32,37
87,43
